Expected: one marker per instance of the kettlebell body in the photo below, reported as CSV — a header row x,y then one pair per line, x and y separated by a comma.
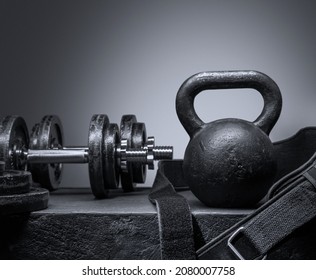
x,y
229,162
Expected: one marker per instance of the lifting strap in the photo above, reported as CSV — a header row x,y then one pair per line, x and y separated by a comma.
x,y
291,204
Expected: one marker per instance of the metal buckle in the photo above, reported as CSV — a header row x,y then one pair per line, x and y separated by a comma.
x,y
234,249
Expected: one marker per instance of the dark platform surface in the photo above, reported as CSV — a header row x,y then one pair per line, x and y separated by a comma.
x,y
77,226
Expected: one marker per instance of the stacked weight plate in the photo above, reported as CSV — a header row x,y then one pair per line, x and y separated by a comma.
x,y
17,195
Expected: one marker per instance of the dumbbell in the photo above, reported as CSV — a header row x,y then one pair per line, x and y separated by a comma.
x,y
110,153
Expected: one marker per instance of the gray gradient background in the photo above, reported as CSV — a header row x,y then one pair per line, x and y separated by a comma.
x,y
77,58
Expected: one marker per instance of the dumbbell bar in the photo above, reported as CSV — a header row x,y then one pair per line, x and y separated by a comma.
x,y
145,155
81,155
108,154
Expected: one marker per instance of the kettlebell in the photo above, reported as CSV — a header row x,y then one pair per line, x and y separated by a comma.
x,y
229,162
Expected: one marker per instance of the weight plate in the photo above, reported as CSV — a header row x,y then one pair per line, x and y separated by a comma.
x,y
98,124
36,199
111,171
126,133
139,137
48,134
14,140
15,182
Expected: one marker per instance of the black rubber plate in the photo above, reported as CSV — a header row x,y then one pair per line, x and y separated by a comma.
x,y
111,170
98,124
139,137
127,122
15,182
36,199
13,135
48,134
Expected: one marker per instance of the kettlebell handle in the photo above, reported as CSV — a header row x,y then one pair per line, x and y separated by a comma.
x,y
228,80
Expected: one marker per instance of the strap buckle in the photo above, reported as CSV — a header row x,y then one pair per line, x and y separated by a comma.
x,y
233,248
